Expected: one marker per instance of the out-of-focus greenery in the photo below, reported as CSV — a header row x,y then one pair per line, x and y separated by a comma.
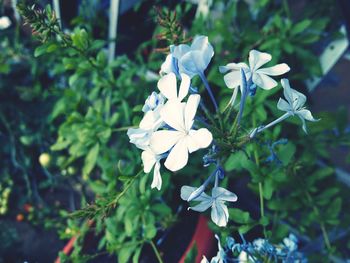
x,y
63,98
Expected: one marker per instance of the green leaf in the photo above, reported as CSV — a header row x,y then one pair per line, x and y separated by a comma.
x,y
40,50
91,159
192,254
300,27
239,216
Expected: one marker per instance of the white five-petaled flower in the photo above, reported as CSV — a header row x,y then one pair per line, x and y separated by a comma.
x,y
150,159
219,195
191,60
181,139
294,104
5,22
259,76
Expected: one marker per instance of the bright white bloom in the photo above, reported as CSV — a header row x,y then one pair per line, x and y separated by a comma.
x,y
153,102
141,136
191,60
181,139
294,103
150,159
259,76
168,87
219,195
5,22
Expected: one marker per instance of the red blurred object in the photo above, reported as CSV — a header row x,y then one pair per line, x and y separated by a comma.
x,y
19,218
28,208
203,238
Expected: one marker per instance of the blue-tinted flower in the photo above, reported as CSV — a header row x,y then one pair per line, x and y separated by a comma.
x,y
258,76
219,195
294,104
220,256
141,136
153,102
291,242
191,60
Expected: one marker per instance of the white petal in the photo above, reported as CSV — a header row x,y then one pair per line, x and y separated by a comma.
x,y
163,141
167,86
233,79
148,159
139,137
257,59
223,194
275,70
167,66
148,121
191,109
219,213
178,156
173,114
264,81
306,114
283,105
202,206
198,139
287,91
233,67
186,191
157,179
184,86
204,260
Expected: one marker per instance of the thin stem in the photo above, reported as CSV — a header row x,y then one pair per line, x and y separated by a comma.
x,y
207,86
241,106
156,251
280,119
261,189
130,182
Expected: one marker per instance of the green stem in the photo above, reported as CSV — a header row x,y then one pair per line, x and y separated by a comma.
x,y
126,188
156,252
261,189
123,128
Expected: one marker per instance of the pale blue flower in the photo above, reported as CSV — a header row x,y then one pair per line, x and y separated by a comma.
x,y
191,60
254,73
153,102
294,104
219,211
220,256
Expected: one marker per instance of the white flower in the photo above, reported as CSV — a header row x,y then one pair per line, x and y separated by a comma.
x,y
294,104
191,60
153,102
141,136
5,22
168,87
150,159
259,76
182,140
219,195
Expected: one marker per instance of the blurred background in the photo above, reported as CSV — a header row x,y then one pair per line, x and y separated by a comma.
x,y
52,114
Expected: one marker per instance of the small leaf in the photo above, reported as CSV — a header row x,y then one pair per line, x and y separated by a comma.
x,y
91,159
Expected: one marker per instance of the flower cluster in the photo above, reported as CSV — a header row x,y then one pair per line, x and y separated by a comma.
x,y
260,250
172,128
167,129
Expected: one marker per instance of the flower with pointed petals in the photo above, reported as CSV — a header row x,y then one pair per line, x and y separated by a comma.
x,y
191,60
153,102
219,195
259,76
294,104
150,159
181,139
141,136
168,87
